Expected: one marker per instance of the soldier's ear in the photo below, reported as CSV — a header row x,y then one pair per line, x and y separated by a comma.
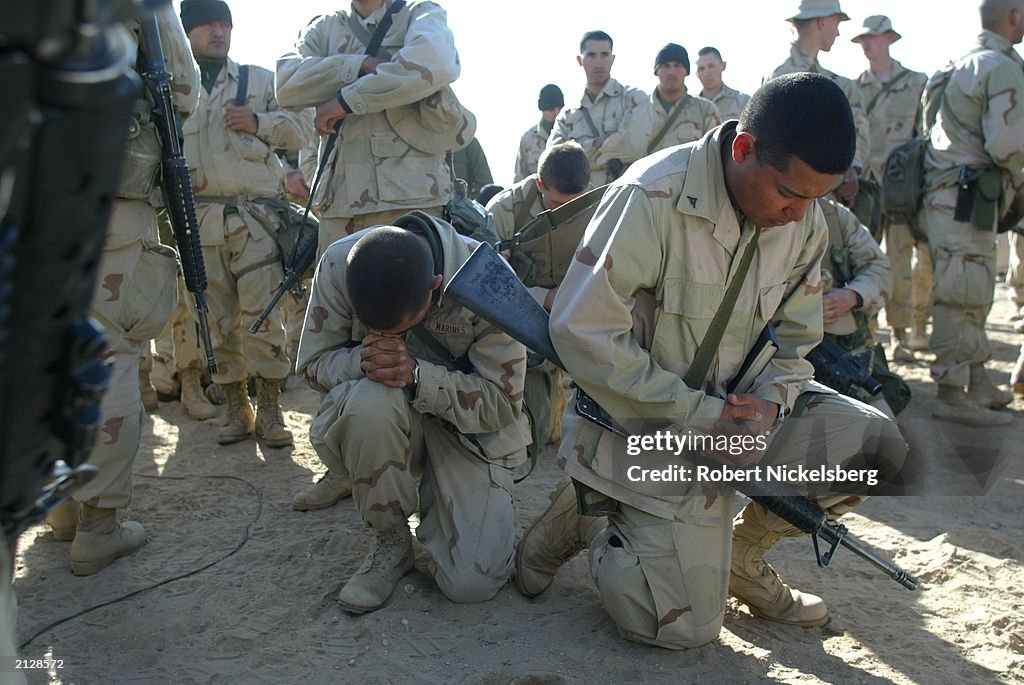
x,y
579,60
435,282
744,146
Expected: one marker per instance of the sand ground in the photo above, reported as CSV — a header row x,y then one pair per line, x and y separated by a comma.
x,y
235,587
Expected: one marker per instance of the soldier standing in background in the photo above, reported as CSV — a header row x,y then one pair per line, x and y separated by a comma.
x,y
386,162
729,101
612,122
677,116
817,27
891,95
550,102
230,148
399,117
134,297
973,152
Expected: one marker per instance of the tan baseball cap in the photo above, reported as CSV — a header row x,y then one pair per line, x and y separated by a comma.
x,y
876,25
813,9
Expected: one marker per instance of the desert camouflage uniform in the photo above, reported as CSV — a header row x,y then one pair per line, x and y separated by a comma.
x,y
729,101
620,112
231,172
800,61
894,118
464,432
541,264
627,327
1015,273
697,117
531,145
376,175
980,123
136,287
856,262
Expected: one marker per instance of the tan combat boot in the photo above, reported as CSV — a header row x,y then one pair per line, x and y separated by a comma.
x,y
755,583
325,492
241,420
270,425
953,404
389,560
101,539
192,396
150,401
900,348
553,539
63,520
983,392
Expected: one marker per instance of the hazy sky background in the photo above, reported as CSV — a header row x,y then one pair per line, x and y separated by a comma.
x,y
510,49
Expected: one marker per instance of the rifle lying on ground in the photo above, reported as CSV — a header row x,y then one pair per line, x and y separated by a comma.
x,y
177,182
488,287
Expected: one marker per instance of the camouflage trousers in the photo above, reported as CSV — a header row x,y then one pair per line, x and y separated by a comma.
x,y
134,297
965,268
242,271
333,229
665,582
542,382
398,459
8,620
911,278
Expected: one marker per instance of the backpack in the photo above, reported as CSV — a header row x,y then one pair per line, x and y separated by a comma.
x,y
469,217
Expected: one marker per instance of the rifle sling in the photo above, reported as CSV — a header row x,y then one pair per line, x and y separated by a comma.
x,y
668,124
698,371
242,94
427,338
550,219
885,89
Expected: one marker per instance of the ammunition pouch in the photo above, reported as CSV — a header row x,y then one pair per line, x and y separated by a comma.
x,y
979,192
142,156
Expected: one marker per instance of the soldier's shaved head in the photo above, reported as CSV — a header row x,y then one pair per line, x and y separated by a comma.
x,y
995,13
388,277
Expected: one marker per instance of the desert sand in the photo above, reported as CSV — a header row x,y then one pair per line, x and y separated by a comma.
x,y
236,587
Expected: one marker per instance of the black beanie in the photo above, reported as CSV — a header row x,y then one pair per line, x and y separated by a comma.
x,y
672,53
550,97
198,12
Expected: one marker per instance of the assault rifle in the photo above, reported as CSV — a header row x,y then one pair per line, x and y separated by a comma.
x,y
177,182
841,370
487,286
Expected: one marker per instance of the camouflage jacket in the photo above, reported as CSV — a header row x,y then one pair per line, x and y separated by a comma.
x,y
729,101
855,260
539,263
697,117
638,299
374,169
485,405
621,113
893,115
531,145
232,163
981,120
800,61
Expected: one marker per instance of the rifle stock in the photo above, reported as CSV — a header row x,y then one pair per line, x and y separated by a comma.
x,y
488,287
176,180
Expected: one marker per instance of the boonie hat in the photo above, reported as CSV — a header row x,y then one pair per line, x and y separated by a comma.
x,y
876,25
814,9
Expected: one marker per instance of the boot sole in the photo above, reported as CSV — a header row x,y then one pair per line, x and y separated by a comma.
x,y
974,423
233,439
317,506
799,624
87,568
276,444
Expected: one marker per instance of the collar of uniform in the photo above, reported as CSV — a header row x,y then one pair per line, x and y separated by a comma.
x,y
993,41
704,190
232,69
611,89
375,16
801,60
867,77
